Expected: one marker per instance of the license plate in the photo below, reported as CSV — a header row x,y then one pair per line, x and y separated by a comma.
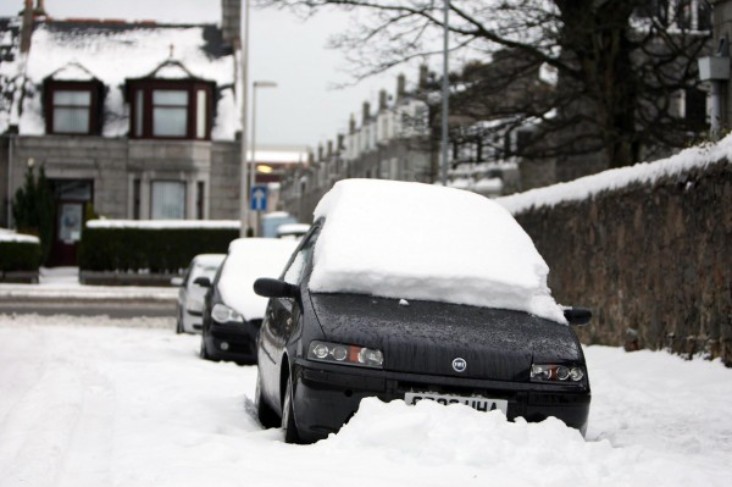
x,y
475,402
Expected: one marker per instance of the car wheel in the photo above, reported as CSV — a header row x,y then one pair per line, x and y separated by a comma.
x,y
265,414
288,416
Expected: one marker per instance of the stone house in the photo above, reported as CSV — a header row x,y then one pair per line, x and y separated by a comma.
x,y
134,120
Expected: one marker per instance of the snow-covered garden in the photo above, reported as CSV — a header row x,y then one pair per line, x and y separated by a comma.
x,y
96,401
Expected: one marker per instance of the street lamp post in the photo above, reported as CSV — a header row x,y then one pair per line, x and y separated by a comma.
x,y
243,187
253,168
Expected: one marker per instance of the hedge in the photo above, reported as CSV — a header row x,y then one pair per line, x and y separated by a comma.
x,y
154,250
19,256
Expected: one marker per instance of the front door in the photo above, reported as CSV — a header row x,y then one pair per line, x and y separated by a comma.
x,y
69,222
71,197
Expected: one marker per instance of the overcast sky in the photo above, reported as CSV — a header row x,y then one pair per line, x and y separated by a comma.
x,y
304,108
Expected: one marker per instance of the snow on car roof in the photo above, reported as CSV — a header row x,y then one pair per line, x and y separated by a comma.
x,y
418,241
248,260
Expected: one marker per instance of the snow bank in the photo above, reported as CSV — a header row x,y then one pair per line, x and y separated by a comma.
x,y
164,224
644,172
248,260
11,236
418,241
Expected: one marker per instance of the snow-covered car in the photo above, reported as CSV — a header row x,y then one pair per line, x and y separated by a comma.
x,y
415,292
189,309
232,312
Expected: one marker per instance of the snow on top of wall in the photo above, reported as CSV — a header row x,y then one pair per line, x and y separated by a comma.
x,y
11,236
164,224
644,172
112,54
419,241
248,260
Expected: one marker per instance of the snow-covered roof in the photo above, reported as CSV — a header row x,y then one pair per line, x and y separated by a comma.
x,y
113,52
419,241
248,260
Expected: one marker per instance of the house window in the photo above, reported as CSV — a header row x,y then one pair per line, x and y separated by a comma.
x,y
168,109
168,200
200,199
72,107
71,112
170,113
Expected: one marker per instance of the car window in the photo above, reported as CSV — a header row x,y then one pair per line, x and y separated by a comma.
x,y
294,272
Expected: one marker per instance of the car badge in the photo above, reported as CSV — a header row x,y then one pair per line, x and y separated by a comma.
x,y
459,365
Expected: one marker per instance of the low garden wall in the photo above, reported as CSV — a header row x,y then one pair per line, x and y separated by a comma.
x,y
119,252
647,248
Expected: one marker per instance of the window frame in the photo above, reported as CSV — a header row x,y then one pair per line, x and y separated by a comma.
x,y
148,86
93,87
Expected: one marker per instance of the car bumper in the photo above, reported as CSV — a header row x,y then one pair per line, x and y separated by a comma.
x,y
326,396
232,342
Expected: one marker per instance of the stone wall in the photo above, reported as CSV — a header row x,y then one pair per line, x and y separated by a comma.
x,y
653,262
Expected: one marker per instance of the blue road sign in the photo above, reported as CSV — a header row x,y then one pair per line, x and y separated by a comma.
x,y
258,198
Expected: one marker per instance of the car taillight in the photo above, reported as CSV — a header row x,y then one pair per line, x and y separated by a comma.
x,y
556,373
345,354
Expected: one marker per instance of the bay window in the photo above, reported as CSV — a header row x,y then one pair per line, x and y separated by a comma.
x,y
170,109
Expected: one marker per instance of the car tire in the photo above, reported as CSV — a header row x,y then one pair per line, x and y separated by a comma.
x,y
288,415
265,414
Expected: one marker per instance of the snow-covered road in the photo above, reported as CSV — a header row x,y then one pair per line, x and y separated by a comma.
x,y
102,402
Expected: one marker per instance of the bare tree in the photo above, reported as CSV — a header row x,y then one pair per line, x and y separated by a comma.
x,y
620,65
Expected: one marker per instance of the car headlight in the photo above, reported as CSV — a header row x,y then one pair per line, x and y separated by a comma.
x,y
556,373
223,314
345,354
195,305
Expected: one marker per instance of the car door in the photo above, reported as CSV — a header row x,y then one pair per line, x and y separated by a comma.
x,y
281,319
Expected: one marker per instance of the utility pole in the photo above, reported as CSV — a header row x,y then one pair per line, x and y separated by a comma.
x,y
445,93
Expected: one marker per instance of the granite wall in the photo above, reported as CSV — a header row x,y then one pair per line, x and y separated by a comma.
x,y
653,262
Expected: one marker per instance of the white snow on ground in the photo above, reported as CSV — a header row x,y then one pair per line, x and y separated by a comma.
x,y
644,172
420,241
95,401
63,282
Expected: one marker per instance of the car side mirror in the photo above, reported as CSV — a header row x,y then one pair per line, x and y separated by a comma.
x,y
274,288
577,316
176,281
202,281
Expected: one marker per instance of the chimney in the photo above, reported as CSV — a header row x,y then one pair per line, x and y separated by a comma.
x,y
341,142
366,112
26,29
352,125
231,21
383,98
320,152
40,10
424,75
330,148
401,86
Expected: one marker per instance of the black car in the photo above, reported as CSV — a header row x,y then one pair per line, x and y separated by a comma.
x,y
475,323
320,353
232,313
